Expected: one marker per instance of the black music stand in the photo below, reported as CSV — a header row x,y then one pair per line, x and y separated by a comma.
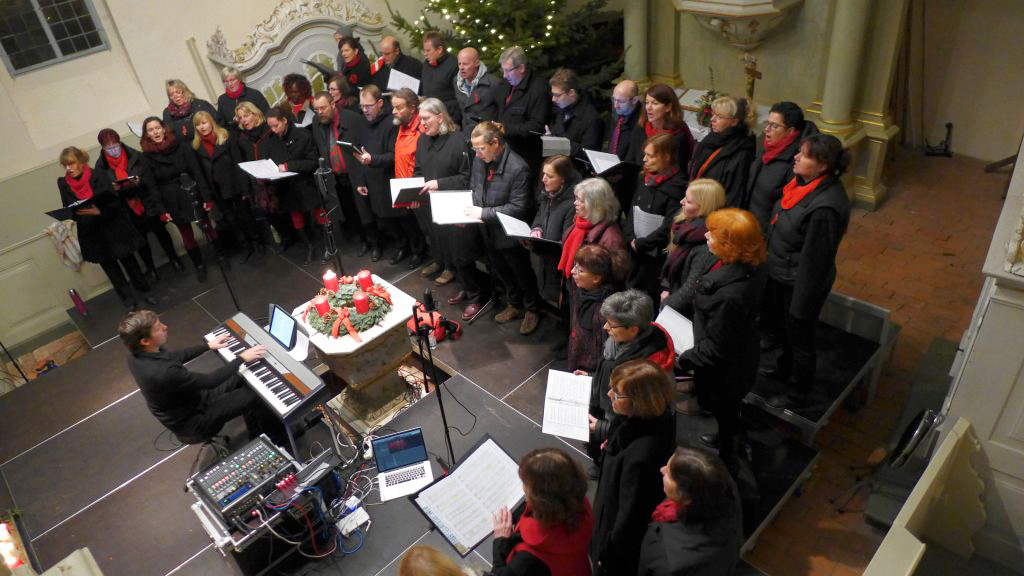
x,y
325,185
201,217
13,361
427,356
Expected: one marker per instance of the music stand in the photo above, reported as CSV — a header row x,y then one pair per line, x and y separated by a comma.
x,y
325,185
201,217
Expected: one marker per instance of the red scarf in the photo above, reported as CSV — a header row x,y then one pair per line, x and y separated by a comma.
x,y
119,164
80,186
656,178
650,130
234,95
149,145
338,165
353,63
209,141
704,166
667,511
179,111
297,108
773,150
573,240
793,193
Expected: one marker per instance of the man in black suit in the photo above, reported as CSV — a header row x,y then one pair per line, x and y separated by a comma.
x,y
194,406
439,70
575,117
523,105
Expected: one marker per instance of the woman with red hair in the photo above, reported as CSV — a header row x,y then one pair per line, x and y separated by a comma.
x,y
724,285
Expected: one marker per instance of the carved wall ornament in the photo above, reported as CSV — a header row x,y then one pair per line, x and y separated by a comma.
x,y
1015,249
742,23
288,18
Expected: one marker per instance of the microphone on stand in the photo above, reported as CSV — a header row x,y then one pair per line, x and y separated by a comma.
x,y
428,301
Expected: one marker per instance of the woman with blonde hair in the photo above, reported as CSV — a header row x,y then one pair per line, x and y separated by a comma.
x,y
182,105
255,143
428,561
218,154
235,92
726,153
725,280
687,230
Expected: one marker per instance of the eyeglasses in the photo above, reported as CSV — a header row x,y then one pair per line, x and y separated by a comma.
x,y
769,125
612,326
479,148
557,94
721,117
617,396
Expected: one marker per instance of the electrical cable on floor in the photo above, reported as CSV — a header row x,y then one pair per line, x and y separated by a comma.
x,y
468,411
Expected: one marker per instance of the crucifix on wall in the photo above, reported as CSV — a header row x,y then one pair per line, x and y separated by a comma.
x,y
753,74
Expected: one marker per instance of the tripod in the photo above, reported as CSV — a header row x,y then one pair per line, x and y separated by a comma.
x,y
427,357
325,185
201,217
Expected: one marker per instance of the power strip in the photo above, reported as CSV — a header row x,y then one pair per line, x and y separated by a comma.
x,y
354,519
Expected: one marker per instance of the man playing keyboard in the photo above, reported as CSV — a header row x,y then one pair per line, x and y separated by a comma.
x,y
194,406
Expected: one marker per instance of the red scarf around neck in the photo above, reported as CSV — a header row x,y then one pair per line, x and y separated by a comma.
x,y
650,130
774,149
209,141
656,178
793,193
234,95
179,111
573,240
667,511
297,108
353,63
80,186
119,164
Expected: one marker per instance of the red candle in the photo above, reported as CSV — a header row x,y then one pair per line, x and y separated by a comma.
x,y
365,279
331,281
321,305
362,302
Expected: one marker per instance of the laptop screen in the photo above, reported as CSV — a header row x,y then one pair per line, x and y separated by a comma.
x,y
399,450
282,327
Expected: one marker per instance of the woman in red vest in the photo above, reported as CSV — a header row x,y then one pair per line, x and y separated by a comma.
x,y
553,533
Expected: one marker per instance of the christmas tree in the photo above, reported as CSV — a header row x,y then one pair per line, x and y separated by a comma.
x,y
586,39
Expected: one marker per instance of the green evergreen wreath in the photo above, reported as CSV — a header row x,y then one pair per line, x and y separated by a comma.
x,y
342,305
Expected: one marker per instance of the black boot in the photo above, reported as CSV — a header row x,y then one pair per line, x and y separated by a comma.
x,y
197,260
307,244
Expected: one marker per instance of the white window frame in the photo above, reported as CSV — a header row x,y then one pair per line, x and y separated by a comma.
x,y
60,56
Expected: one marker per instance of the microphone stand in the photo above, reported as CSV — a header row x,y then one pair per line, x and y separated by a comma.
x,y
18,366
423,331
325,185
202,219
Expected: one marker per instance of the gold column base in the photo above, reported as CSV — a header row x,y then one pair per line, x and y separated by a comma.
x,y
674,80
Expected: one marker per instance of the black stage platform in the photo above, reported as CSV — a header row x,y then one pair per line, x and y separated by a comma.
x,y
87,465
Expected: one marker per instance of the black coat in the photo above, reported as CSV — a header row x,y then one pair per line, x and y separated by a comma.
x,y
351,128
680,549
380,143
221,169
581,124
731,164
629,489
482,104
173,393
404,64
109,235
649,256
259,144
145,190
439,82
685,145
626,138
554,217
226,106
725,354
168,166
524,112
508,191
586,326
298,154
765,181
443,158
358,73
182,127
803,242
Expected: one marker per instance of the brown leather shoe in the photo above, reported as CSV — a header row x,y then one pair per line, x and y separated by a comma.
x,y
530,322
445,278
430,270
509,314
471,311
458,298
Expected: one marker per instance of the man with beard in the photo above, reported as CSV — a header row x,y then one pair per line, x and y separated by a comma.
x,y
405,110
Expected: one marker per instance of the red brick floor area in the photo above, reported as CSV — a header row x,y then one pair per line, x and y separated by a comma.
x,y
920,256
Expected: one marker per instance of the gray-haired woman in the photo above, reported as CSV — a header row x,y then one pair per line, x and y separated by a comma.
x,y
632,335
441,158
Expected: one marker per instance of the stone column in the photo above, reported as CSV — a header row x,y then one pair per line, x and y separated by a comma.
x,y
635,39
849,26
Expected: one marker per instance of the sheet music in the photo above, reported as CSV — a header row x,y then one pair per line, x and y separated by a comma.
x,y
556,145
307,118
644,222
399,184
135,128
264,170
602,161
678,327
461,504
448,207
398,80
566,405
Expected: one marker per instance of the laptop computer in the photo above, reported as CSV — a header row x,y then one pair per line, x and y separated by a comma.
x,y
402,464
